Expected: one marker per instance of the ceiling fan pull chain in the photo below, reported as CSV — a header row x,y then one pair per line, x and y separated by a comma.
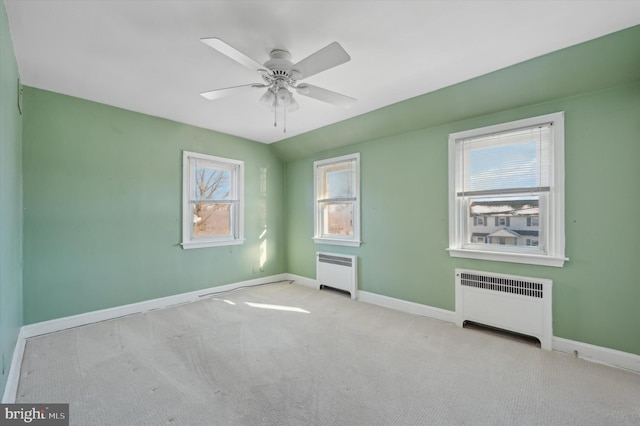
x,y
284,129
275,114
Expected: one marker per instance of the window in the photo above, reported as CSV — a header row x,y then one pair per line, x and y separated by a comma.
x,y
512,176
337,198
212,201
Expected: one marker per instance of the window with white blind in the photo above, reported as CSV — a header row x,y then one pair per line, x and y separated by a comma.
x,y
212,201
337,198
506,192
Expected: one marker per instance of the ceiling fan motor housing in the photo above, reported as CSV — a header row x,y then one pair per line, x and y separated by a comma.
x,y
279,62
280,66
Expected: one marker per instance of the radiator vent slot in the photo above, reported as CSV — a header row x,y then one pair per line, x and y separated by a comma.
x,y
337,271
509,302
335,260
507,285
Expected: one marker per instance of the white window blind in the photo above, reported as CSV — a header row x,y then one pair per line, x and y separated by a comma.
x,y
338,181
512,162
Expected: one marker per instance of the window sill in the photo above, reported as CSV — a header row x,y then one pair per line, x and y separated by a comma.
x,y
530,259
203,244
336,242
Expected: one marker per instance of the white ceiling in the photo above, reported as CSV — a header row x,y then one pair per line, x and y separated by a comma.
x,y
146,55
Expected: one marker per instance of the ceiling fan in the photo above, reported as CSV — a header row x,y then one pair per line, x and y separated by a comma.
x,y
280,76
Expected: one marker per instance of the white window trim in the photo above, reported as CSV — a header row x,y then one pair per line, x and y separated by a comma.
x,y
187,217
554,226
353,241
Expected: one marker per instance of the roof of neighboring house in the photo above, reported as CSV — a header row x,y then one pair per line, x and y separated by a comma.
x,y
527,233
504,208
504,232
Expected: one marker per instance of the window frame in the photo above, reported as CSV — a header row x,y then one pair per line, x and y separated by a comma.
x,y
551,205
347,240
237,219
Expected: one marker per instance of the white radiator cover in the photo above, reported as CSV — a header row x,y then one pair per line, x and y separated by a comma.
x,y
510,302
337,271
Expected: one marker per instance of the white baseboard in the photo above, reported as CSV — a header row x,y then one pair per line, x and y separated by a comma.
x,y
586,351
64,323
59,324
11,387
307,282
598,354
387,302
405,306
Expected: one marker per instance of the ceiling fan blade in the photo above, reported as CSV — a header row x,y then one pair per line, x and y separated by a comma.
x,y
325,95
325,58
221,93
232,53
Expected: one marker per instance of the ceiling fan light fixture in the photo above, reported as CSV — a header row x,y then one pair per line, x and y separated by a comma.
x,y
268,98
293,105
284,97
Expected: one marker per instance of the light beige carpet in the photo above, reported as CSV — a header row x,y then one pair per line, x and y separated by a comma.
x,y
284,354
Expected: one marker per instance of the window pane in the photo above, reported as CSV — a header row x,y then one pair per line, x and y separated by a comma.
x,y
336,192
211,220
212,201
338,181
516,159
337,219
507,192
211,183
511,166
340,184
507,221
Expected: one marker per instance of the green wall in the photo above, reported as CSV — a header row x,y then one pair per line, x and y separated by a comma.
x,y
405,217
102,196
103,193
404,172
10,200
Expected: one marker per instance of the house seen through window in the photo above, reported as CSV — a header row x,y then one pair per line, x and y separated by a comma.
x,y
506,192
